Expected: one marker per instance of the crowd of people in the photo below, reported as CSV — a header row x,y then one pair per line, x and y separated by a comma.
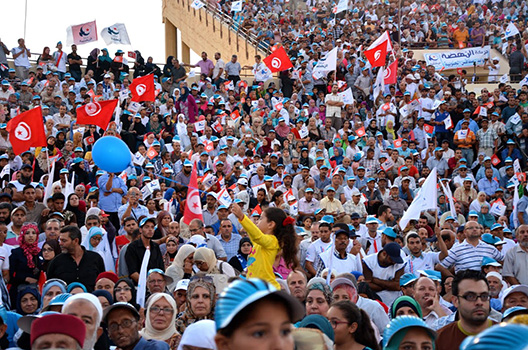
x,y
300,241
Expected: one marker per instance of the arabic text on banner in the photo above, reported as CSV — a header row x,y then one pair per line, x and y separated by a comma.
x,y
458,58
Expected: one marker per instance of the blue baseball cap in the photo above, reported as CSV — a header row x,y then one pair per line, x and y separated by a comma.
x,y
407,278
329,219
389,231
487,261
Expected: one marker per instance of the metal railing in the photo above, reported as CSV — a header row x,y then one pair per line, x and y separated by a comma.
x,y
223,19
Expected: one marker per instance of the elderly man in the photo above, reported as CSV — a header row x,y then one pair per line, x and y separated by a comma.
x,y
124,326
196,228
87,308
297,285
157,281
57,331
516,260
426,294
516,295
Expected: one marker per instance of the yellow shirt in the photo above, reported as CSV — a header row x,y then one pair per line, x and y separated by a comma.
x,y
262,257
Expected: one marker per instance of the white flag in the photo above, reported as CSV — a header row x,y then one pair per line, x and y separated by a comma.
x,y
236,6
5,171
524,81
348,97
49,186
115,34
515,209
341,6
142,281
379,84
381,39
425,199
325,64
511,30
504,79
197,4
449,196
224,198
69,188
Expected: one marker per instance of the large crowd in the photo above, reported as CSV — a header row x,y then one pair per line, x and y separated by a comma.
x,y
314,231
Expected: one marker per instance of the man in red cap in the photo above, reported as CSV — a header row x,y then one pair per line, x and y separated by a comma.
x,y
106,281
57,331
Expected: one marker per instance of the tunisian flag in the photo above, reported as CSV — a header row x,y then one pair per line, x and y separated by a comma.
x,y
377,55
26,130
391,73
143,89
97,113
193,205
278,60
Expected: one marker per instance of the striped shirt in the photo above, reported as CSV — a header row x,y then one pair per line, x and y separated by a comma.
x,y
467,257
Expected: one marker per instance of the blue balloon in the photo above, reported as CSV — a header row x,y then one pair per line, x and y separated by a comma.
x,y
111,154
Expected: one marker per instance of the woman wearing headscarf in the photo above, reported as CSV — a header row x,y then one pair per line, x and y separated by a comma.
x,y
73,206
478,202
104,62
81,174
239,261
265,149
172,248
92,61
51,289
205,260
186,105
169,67
182,266
318,297
160,320
200,303
199,335
139,65
28,301
125,291
484,217
104,297
96,241
405,305
24,264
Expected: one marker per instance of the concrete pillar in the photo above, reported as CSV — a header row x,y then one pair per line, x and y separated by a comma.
x,y
186,53
171,39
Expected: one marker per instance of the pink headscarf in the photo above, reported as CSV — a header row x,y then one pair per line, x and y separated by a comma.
x,y
30,250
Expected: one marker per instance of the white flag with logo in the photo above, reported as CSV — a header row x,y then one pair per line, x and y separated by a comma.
x,y
504,79
325,64
199,125
424,200
197,4
236,6
341,6
524,81
348,97
224,198
115,34
511,30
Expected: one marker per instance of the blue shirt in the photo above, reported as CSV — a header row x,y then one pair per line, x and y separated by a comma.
x,y
151,344
112,202
488,187
136,213
521,208
231,247
473,126
439,117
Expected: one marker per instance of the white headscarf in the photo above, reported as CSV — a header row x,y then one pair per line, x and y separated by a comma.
x,y
200,334
103,248
149,332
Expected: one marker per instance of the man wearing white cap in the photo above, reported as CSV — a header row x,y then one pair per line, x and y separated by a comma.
x,y
87,308
180,293
516,295
494,69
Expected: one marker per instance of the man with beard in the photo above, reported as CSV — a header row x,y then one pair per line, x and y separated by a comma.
x,y
427,296
75,263
495,286
471,298
516,260
184,176
341,261
5,210
297,285
87,308
26,174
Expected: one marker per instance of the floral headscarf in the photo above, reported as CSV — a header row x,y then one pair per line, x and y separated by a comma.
x,y
30,250
188,317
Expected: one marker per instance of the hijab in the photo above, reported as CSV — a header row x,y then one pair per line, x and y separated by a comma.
x,y
207,255
103,248
184,94
149,332
405,301
105,57
94,53
30,250
200,334
267,148
242,258
130,284
205,284
28,290
104,293
176,269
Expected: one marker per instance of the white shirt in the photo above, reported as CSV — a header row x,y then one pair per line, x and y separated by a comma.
x,y
386,274
426,261
23,59
317,248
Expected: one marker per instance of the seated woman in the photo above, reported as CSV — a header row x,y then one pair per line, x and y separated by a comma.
x,y
201,294
205,260
182,265
28,302
239,261
318,297
160,320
